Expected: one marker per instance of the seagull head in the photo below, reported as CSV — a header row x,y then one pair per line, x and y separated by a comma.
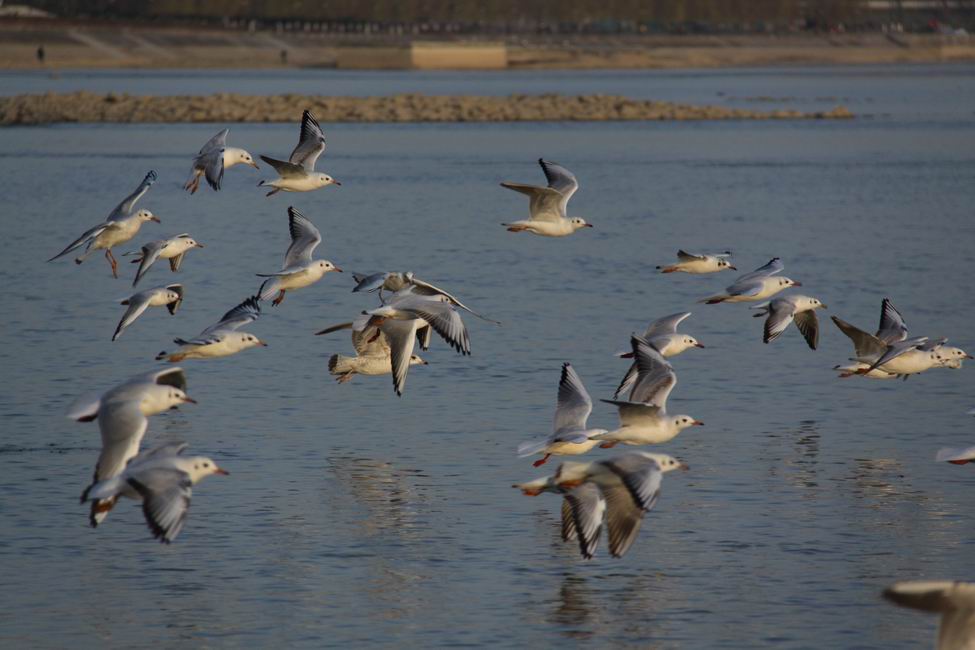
x,y
325,179
684,421
199,467
145,215
667,463
327,266
247,159
578,223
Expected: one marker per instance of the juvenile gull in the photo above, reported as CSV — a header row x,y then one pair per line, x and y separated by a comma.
x,y
788,309
570,435
122,225
172,249
662,335
954,601
298,174
170,295
699,263
163,480
627,487
373,354
547,205
299,269
644,419
758,285
213,159
394,281
122,414
222,338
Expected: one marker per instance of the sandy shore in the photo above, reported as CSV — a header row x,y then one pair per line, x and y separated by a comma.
x,y
225,108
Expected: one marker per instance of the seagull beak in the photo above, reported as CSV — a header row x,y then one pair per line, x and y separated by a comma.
x,y
589,225
221,471
263,344
698,345
338,269
797,284
733,268
335,182
190,400
426,363
824,307
698,423
968,356
199,245
155,218
684,467
253,164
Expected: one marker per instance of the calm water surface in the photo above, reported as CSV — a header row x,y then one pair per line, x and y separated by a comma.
x,y
355,517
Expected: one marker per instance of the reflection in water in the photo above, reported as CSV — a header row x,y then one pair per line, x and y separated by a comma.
x,y
800,461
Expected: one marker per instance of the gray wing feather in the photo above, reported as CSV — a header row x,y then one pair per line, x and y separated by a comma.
x,y
125,208
780,314
443,318
213,169
808,325
586,507
285,169
122,427
166,496
561,180
655,376
892,327
304,238
369,282
138,303
244,313
640,475
623,519
426,289
86,238
545,204
311,143
865,345
402,337
150,253
574,403
773,266
219,141
665,325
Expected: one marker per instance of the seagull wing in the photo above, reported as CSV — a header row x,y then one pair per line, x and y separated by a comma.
x,y
561,180
574,404
545,204
586,508
892,327
311,143
125,208
304,238
165,496
665,325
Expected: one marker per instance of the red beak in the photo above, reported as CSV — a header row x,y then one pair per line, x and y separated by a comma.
x,y
222,472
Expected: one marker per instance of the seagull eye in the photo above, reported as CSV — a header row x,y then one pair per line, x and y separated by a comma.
x,y
206,464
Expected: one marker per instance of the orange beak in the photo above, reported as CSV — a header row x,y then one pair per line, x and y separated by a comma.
x,y
698,423
187,398
221,471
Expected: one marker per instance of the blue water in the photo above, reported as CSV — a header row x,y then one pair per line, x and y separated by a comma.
x,y
356,518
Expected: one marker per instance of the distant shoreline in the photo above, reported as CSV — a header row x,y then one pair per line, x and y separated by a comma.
x,y
85,107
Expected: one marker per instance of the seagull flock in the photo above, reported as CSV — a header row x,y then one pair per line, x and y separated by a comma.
x,y
615,493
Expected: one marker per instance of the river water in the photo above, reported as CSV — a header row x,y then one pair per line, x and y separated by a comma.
x,y
353,517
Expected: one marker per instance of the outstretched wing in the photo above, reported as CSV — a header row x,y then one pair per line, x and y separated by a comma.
x,y
150,253
244,313
285,169
138,303
125,208
401,335
866,347
545,204
311,143
165,496
780,314
219,141
426,289
773,266
808,325
665,325
892,327
561,180
304,238
85,238
586,508
574,405
655,376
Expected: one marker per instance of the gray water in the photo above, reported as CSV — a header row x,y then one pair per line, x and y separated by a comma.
x,y
353,517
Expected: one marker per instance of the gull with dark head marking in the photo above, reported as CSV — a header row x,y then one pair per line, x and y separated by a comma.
x,y
644,419
394,281
122,413
222,338
299,269
662,335
570,435
954,601
298,173
788,309
213,159
699,263
170,295
373,354
760,284
122,225
163,480
172,249
619,491
547,205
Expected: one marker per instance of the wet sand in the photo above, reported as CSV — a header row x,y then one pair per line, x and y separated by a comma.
x,y
227,108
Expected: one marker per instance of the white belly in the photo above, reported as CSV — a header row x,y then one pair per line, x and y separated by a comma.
x,y
570,448
303,184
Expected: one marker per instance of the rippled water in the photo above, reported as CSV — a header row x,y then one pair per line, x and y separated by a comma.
x,y
355,517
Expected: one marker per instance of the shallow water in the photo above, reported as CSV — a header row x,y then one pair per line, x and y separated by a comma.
x,y
356,517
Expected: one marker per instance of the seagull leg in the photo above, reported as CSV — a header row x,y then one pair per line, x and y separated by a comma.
x,y
344,378
541,461
277,301
111,260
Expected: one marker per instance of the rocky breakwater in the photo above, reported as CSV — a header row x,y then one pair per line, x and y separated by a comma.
x,y
85,107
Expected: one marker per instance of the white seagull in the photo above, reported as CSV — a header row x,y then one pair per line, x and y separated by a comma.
x,y
662,335
758,285
622,489
170,295
956,455
299,269
122,414
785,310
547,205
570,436
213,159
373,354
172,249
892,329
222,338
699,263
395,281
644,419
298,174
163,480
122,225
954,601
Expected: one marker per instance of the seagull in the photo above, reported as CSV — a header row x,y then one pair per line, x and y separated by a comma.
x,y
891,351
222,338
892,329
162,479
213,159
955,601
698,263
170,295
393,281
122,225
298,174
644,419
299,269
956,455
757,285
784,310
953,357
547,205
373,354
623,489
172,249
122,414
570,436
662,335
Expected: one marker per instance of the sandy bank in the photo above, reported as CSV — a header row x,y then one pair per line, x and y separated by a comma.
x,y
227,108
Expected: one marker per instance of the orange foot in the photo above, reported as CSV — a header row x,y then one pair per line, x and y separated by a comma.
x,y
541,461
